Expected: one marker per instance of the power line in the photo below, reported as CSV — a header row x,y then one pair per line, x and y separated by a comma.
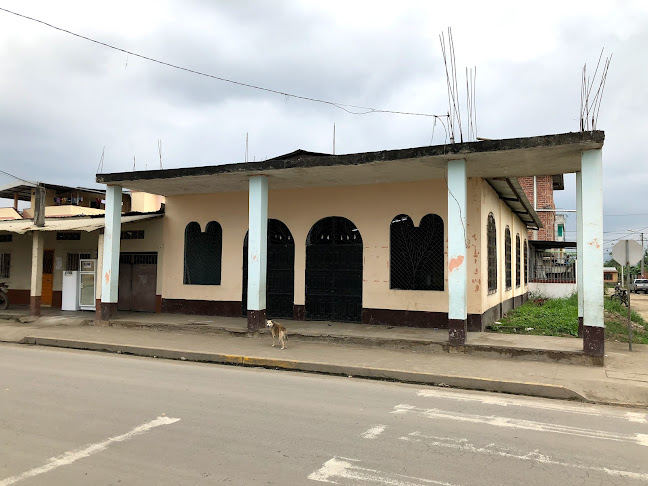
x,y
342,106
16,177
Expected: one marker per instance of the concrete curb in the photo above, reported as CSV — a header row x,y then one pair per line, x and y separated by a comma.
x,y
421,345
468,383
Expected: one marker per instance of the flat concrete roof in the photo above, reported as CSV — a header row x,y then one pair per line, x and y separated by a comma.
x,y
515,157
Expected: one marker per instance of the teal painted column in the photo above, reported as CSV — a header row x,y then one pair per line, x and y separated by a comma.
x,y
457,257
109,277
257,253
592,223
579,250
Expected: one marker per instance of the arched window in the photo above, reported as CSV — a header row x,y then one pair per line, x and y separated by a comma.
x,y
202,255
517,260
416,254
507,258
491,238
526,262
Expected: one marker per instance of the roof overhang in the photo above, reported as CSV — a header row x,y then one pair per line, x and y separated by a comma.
x,y
88,223
491,159
551,245
510,191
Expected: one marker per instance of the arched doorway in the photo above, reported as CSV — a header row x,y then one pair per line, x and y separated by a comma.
x,y
334,271
280,279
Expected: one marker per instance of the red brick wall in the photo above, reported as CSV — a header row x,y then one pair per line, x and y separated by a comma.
x,y
545,201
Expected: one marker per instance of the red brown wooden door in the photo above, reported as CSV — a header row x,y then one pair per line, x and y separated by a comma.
x,y
48,277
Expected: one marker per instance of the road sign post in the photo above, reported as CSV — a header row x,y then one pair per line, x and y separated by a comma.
x,y
626,253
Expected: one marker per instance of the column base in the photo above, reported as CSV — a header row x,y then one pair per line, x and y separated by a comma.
x,y
580,327
256,319
35,305
594,341
299,312
457,331
106,311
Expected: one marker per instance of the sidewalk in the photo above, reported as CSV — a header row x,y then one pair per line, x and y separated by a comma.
x,y
529,365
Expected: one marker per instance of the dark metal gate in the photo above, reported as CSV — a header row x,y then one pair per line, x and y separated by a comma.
x,y
137,282
334,271
280,279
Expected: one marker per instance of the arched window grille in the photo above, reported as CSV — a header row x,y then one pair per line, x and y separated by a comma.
x,y
526,262
517,260
202,255
507,258
416,254
491,238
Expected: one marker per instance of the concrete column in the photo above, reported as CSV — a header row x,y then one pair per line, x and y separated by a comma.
x,y
457,257
579,250
110,266
592,265
257,253
36,274
100,242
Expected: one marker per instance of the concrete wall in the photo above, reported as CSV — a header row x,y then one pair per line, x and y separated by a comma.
x,y
504,218
9,213
371,208
552,290
145,202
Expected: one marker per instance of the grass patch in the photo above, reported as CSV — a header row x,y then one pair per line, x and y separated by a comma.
x,y
559,317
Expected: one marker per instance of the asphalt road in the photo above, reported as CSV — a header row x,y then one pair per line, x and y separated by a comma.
x,y
69,418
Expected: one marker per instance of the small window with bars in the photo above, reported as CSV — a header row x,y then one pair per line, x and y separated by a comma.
x,y
132,235
507,258
6,238
68,235
491,238
145,258
72,261
517,260
5,265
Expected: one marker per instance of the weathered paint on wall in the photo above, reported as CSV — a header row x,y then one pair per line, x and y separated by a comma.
x,y
370,207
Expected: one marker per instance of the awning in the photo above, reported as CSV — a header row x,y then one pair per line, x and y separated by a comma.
x,y
510,191
70,224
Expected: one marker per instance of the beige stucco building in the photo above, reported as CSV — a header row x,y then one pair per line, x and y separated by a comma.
x,y
430,237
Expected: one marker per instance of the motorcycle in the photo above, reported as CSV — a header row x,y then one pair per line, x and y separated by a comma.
x,y
4,296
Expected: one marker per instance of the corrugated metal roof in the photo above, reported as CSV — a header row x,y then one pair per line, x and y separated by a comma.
x,y
69,224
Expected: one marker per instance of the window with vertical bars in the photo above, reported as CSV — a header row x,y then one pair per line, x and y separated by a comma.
x,y
517,260
72,262
202,255
507,258
491,239
526,262
5,265
416,254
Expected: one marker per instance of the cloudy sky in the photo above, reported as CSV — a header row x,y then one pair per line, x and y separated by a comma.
x,y
63,99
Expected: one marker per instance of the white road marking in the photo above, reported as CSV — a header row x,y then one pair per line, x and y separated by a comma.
x,y
374,432
641,439
344,468
75,455
535,456
637,417
502,401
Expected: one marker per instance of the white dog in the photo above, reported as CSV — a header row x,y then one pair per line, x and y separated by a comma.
x,y
278,331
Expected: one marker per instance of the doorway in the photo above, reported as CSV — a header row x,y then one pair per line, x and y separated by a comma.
x,y
47,290
334,271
